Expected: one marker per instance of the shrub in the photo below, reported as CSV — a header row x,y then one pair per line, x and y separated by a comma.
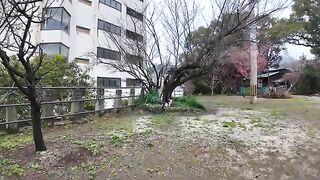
x,y
309,81
150,98
188,101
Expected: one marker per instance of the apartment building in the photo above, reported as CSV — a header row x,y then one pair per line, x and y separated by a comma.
x,y
77,29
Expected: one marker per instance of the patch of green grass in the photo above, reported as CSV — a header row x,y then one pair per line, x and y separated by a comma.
x,y
92,146
9,142
229,124
114,124
188,102
36,167
162,120
150,98
275,113
256,120
118,137
10,167
75,169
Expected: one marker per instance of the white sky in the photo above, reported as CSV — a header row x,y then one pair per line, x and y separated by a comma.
x,y
292,50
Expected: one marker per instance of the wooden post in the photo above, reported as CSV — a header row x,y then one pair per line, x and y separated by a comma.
x,y
118,100
100,103
11,114
131,99
47,109
142,92
76,107
253,58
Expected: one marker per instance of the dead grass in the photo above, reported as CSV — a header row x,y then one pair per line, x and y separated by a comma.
x,y
306,108
237,141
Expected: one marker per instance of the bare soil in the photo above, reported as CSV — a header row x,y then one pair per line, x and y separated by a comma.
x,y
275,139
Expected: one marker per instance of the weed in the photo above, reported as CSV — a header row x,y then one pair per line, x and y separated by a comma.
x,y
14,141
162,121
120,136
92,146
275,113
255,121
9,168
230,124
75,169
188,102
92,171
150,98
35,167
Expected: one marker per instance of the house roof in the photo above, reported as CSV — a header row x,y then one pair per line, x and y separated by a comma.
x,y
264,75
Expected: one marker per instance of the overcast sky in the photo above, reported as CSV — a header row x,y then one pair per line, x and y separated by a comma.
x,y
292,50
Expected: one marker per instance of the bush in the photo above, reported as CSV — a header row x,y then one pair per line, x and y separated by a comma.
x,y
150,98
310,80
277,95
188,101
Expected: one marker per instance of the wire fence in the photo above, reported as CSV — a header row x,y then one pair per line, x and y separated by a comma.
x,y
61,102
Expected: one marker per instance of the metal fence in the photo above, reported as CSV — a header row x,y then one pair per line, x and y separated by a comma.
x,y
62,102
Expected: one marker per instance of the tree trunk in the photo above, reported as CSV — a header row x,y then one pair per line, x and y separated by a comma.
x,y
36,121
167,92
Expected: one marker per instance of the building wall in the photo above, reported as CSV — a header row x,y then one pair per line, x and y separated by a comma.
x,y
83,44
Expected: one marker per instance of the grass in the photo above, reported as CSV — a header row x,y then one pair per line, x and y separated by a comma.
x,y
36,167
10,167
162,120
188,102
10,142
229,124
92,146
305,108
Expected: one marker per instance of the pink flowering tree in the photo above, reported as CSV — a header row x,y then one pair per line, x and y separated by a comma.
x,y
241,59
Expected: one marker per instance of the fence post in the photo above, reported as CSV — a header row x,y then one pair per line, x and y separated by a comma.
x,y
142,92
131,99
118,100
76,107
11,114
47,109
100,102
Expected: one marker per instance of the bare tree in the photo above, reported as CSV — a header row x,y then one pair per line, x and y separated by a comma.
x,y
169,41
140,49
192,60
17,21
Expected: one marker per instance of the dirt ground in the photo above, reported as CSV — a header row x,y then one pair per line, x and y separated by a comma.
x,y
275,139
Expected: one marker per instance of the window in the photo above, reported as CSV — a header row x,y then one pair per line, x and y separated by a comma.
x,y
56,19
81,60
108,54
87,2
133,83
108,27
108,82
134,59
134,36
112,3
134,14
52,49
82,29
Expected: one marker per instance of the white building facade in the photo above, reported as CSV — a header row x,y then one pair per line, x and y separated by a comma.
x,y
77,29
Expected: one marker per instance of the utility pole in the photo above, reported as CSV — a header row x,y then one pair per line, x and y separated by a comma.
x,y
253,57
